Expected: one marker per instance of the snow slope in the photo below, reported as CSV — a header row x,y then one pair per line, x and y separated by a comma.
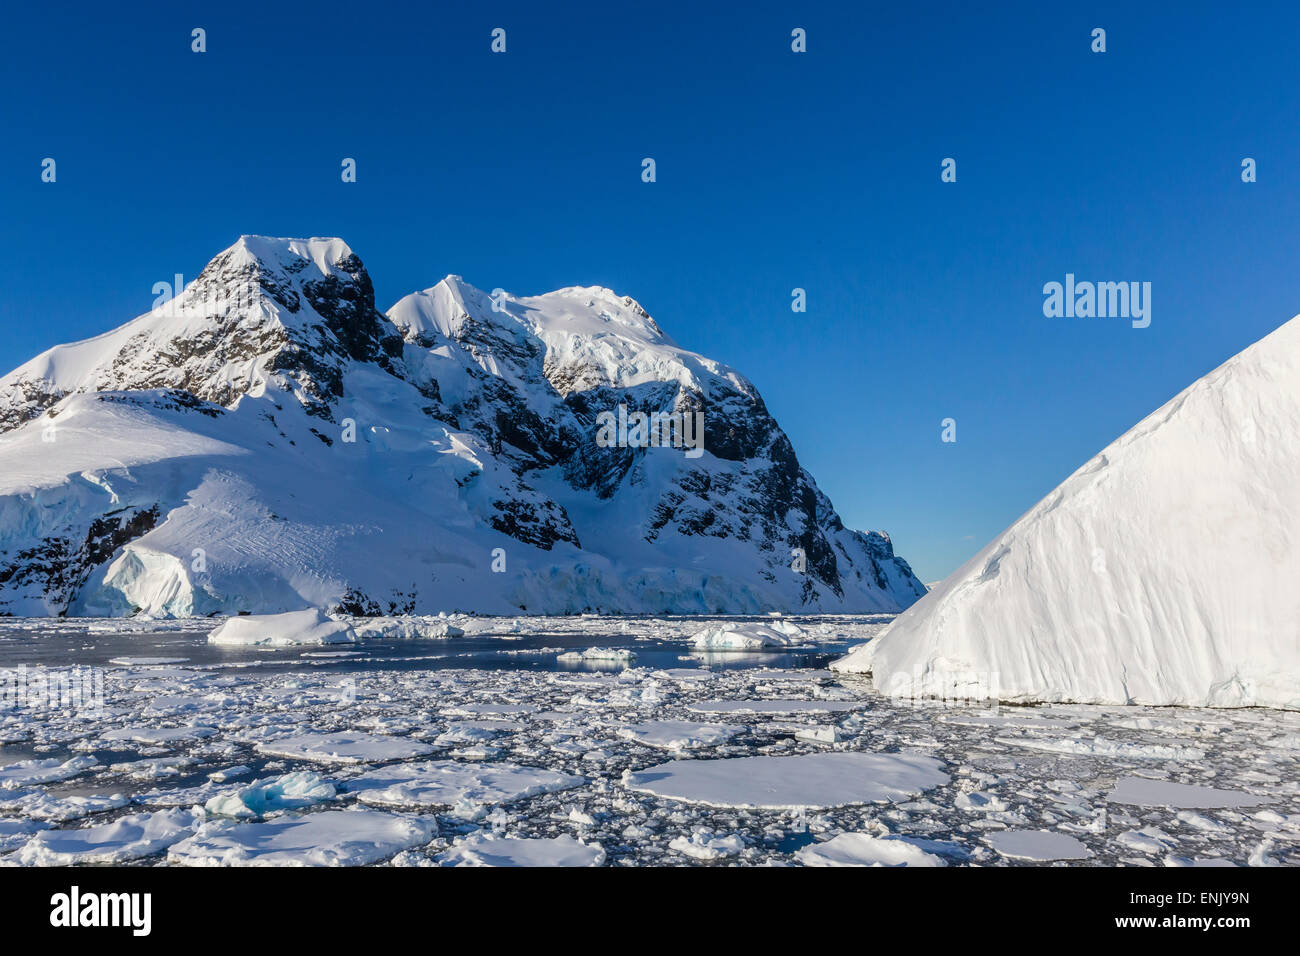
x,y
269,441
1161,572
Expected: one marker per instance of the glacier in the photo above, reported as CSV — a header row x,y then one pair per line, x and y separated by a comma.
x,y
1161,572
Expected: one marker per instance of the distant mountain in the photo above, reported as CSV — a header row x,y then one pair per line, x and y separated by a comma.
x,y
269,440
1161,572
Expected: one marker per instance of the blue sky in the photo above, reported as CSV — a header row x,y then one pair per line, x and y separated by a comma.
x,y
775,170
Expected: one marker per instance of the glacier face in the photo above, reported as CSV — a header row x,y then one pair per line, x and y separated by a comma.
x,y
268,440
1161,572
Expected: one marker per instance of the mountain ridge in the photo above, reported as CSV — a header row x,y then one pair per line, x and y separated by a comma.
x,y
462,417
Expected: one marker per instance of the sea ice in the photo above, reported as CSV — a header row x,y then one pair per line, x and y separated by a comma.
x,y
328,838
862,849
445,783
486,849
740,637
818,780
27,773
679,734
293,791
345,747
1038,845
1142,792
126,838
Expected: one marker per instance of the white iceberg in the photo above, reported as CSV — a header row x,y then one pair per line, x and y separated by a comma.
x,y
741,637
310,626
405,628
617,655
1161,572
293,791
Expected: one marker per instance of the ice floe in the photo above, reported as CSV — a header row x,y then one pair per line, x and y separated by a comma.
x,y
808,780
486,849
1162,793
446,783
679,734
345,748
863,849
127,838
1040,846
326,838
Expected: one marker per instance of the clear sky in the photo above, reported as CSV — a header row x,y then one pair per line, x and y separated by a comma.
x,y
775,170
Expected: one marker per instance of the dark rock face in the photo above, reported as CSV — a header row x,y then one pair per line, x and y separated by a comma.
x,y
60,564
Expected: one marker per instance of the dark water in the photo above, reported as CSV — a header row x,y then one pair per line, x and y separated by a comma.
x,y
66,645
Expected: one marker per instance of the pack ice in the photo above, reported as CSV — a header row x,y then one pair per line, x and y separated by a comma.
x,y
1161,572
268,441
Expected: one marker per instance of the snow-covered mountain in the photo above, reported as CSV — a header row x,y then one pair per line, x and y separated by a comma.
x,y
1164,571
269,440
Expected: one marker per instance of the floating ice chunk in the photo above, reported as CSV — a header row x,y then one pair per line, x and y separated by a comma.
x,y
679,734
980,802
1142,792
293,791
37,805
862,849
27,773
1146,840
229,773
686,675
14,833
127,838
486,849
819,780
1008,721
488,710
618,655
157,735
1100,747
703,845
446,783
328,838
345,747
740,637
1041,846
1172,860
821,734
146,661
310,626
774,706
403,628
